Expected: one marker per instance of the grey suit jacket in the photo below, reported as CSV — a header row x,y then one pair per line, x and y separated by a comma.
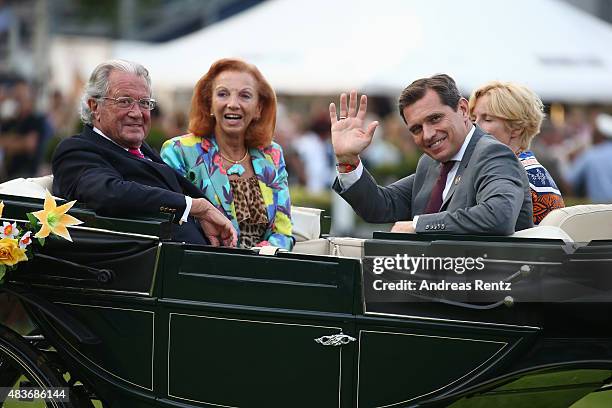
x,y
489,195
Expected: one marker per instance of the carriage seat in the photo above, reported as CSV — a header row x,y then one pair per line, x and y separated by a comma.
x,y
33,187
582,223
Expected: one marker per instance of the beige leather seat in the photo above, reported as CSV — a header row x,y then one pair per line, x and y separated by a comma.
x,y
33,187
336,246
582,223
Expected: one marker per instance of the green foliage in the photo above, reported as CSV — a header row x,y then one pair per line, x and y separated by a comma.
x,y
392,172
33,221
300,196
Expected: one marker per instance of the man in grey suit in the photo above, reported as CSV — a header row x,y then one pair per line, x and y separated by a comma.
x,y
466,182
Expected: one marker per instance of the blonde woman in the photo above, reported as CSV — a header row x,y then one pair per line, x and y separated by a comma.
x,y
513,114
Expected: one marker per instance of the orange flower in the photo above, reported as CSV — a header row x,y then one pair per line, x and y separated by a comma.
x,y
54,219
10,253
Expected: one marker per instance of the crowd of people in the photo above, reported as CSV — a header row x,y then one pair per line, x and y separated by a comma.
x,y
241,150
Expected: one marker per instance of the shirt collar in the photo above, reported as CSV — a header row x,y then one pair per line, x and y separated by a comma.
x,y
459,155
98,131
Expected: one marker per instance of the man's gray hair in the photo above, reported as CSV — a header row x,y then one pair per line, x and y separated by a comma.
x,y
98,84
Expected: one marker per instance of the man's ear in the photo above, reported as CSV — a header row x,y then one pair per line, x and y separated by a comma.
x,y
93,107
463,108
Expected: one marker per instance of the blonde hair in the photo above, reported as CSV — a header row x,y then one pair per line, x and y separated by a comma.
x,y
518,105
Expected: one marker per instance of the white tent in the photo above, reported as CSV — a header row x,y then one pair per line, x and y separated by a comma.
x,y
323,47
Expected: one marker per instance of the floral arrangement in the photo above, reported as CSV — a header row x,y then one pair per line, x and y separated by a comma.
x,y
15,243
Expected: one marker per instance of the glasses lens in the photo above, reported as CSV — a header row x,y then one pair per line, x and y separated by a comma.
x,y
148,104
125,102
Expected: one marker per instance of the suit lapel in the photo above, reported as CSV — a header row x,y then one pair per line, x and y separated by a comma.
x,y
156,163
462,166
433,171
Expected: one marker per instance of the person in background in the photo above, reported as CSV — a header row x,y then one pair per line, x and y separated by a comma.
x,y
591,173
513,114
229,153
315,153
22,134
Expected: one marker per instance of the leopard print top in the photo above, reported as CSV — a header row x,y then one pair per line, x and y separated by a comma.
x,y
250,210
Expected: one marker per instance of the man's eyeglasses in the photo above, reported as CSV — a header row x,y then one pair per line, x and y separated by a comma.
x,y
126,102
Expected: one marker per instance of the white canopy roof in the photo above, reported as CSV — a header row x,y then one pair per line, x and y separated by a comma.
x,y
323,47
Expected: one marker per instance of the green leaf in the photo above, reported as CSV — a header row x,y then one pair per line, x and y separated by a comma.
x,y
32,218
41,241
2,271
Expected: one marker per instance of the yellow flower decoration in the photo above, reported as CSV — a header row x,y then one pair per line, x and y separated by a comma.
x,y
1,208
54,219
10,253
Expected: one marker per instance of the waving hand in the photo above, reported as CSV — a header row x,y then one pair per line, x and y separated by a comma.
x,y
347,132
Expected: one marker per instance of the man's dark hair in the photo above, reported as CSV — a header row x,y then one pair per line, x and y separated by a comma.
x,y
442,84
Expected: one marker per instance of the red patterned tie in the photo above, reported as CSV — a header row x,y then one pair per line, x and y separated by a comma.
x,y
435,199
136,152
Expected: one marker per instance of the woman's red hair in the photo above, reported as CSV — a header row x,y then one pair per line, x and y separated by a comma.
x,y
259,133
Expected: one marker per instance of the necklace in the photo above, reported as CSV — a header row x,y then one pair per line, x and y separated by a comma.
x,y
236,167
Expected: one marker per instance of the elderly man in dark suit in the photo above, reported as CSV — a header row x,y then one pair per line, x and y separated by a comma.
x,y
112,170
466,182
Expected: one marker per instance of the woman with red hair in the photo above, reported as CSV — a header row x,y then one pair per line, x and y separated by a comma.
x,y
230,155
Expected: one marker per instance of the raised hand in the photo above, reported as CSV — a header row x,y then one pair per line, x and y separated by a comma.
x,y
347,132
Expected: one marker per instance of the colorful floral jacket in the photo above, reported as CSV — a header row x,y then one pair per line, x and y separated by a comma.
x,y
198,159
